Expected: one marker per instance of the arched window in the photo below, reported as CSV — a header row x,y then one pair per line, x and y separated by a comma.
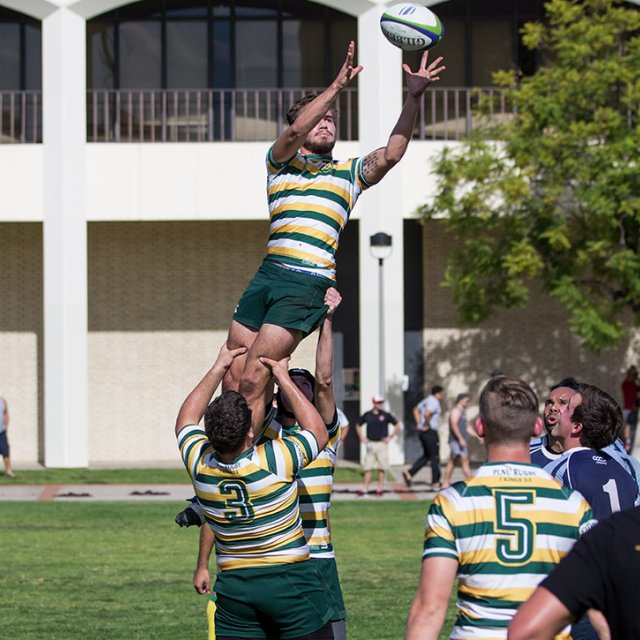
x,y
197,44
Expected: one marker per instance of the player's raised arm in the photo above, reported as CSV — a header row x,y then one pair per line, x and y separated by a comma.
x,y
377,163
305,413
325,398
293,137
196,402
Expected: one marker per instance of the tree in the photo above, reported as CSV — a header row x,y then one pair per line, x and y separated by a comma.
x,y
553,195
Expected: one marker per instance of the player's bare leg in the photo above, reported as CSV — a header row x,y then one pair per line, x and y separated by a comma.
x,y
239,336
275,343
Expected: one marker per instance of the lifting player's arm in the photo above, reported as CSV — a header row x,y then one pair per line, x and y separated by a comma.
x,y
305,413
377,163
198,400
201,577
324,395
292,138
429,607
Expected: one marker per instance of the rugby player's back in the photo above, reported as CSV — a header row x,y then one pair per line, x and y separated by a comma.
x,y
507,528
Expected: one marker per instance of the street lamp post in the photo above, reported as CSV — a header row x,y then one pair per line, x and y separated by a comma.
x,y
380,247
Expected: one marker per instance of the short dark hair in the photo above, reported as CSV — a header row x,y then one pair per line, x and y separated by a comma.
x,y
508,410
299,105
461,396
569,383
227,421
436,389
600,416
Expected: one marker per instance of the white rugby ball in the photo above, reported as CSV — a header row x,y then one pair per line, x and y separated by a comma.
x,y
411,26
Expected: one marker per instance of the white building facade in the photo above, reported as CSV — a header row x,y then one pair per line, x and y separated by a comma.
x,y
122,258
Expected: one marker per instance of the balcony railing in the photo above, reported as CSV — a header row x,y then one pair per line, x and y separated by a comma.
x,y
20,117
234,115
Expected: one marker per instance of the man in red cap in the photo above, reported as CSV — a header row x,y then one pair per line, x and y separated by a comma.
x,y
376,438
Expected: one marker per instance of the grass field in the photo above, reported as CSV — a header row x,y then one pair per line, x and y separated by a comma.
x,y
123,571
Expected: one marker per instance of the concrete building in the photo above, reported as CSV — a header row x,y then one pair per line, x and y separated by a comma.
x,y
134,212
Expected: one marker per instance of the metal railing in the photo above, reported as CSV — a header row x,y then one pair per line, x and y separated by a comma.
x,y
207,115
20,117
234,115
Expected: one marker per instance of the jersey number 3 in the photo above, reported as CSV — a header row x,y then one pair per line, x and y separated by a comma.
x,y
238,505
514,536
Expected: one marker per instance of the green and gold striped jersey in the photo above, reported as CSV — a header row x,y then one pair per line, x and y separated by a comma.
x,y
251,504
507,528
315,484
310,200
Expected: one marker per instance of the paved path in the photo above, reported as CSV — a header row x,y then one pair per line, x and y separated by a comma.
x,y
394,490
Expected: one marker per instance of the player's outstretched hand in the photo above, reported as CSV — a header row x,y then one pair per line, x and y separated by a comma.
x,y
418,81
227,356
332,299
279,368
348,72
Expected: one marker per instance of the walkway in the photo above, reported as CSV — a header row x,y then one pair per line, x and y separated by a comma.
x,y
395,490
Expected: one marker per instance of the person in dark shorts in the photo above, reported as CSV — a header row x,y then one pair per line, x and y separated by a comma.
x,y
4,440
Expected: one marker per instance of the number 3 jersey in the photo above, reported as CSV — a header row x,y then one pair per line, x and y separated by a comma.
x,y
601,479
507,528
251,503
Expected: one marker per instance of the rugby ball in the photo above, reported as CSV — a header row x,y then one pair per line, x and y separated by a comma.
x,y
411,26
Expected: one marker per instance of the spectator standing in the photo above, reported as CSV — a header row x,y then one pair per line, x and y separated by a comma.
x,y
493,532
458,431
376,440
4,439
427,417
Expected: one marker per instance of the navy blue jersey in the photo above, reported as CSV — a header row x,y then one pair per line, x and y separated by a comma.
x,y
602,480
541,456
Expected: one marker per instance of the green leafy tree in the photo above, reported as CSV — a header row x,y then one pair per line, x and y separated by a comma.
x,y
553,194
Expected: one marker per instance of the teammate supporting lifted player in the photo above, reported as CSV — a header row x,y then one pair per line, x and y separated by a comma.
x,y
310,196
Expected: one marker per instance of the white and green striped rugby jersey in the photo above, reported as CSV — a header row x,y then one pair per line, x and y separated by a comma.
x,y
507,528
310,200
251,503
315,485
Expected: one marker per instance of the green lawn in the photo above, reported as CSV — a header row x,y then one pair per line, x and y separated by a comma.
x,y
123,571
128,476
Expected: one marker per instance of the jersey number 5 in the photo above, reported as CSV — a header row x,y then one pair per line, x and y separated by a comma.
x,y
514,536
238,505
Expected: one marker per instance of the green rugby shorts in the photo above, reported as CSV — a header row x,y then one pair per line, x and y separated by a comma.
x,y
284,298
283,601
328,570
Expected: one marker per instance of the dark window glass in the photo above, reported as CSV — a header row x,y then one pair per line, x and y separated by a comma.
x,y
186,55
256,53
194,9
140,55
9,56
100,55
302,58
492,49
222,68
33,62
256,8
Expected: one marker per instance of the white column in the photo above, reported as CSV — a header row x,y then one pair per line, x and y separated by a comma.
x,y
65,240
380,209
